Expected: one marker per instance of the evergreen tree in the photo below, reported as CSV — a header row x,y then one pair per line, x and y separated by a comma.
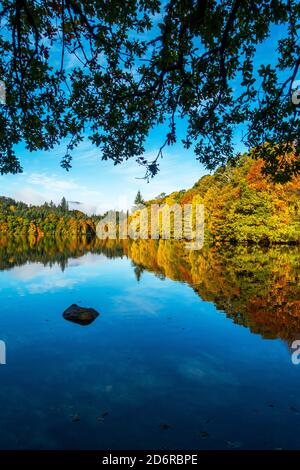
x,y
138,199
64,205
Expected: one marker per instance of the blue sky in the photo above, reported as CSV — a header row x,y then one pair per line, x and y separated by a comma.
x,y
99,185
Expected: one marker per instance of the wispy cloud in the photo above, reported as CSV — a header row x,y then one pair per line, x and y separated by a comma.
x,y
51,285
52,182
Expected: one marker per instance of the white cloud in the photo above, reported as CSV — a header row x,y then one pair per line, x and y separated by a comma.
x,y
51,285
29,271
29,196
47,188
51,182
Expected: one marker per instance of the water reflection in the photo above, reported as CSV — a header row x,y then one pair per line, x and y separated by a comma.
x,y
162,366
256,287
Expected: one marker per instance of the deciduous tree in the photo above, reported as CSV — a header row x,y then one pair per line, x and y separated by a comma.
x,y
113,70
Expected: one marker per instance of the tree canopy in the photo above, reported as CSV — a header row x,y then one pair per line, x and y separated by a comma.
x,y
112,70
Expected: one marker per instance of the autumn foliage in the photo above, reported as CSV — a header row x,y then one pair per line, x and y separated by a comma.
x,y
243,205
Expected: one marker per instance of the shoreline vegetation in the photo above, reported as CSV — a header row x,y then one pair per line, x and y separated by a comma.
x,y
242,206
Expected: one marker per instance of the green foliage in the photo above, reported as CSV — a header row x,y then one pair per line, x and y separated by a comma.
x,y
64,205
35,222
130,74
139,199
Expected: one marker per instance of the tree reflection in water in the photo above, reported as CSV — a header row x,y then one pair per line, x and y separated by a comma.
x,y
256,287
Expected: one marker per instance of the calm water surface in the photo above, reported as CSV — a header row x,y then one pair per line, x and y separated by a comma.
x,y
190,351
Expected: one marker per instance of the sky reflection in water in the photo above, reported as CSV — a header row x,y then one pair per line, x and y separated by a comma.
x,y
160,367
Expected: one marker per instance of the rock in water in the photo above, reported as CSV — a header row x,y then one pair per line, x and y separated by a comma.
x,y
80,315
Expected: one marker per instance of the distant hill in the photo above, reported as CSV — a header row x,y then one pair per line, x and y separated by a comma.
x,y
19,220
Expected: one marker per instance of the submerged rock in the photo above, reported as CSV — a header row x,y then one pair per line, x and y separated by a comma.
x,y
80,315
